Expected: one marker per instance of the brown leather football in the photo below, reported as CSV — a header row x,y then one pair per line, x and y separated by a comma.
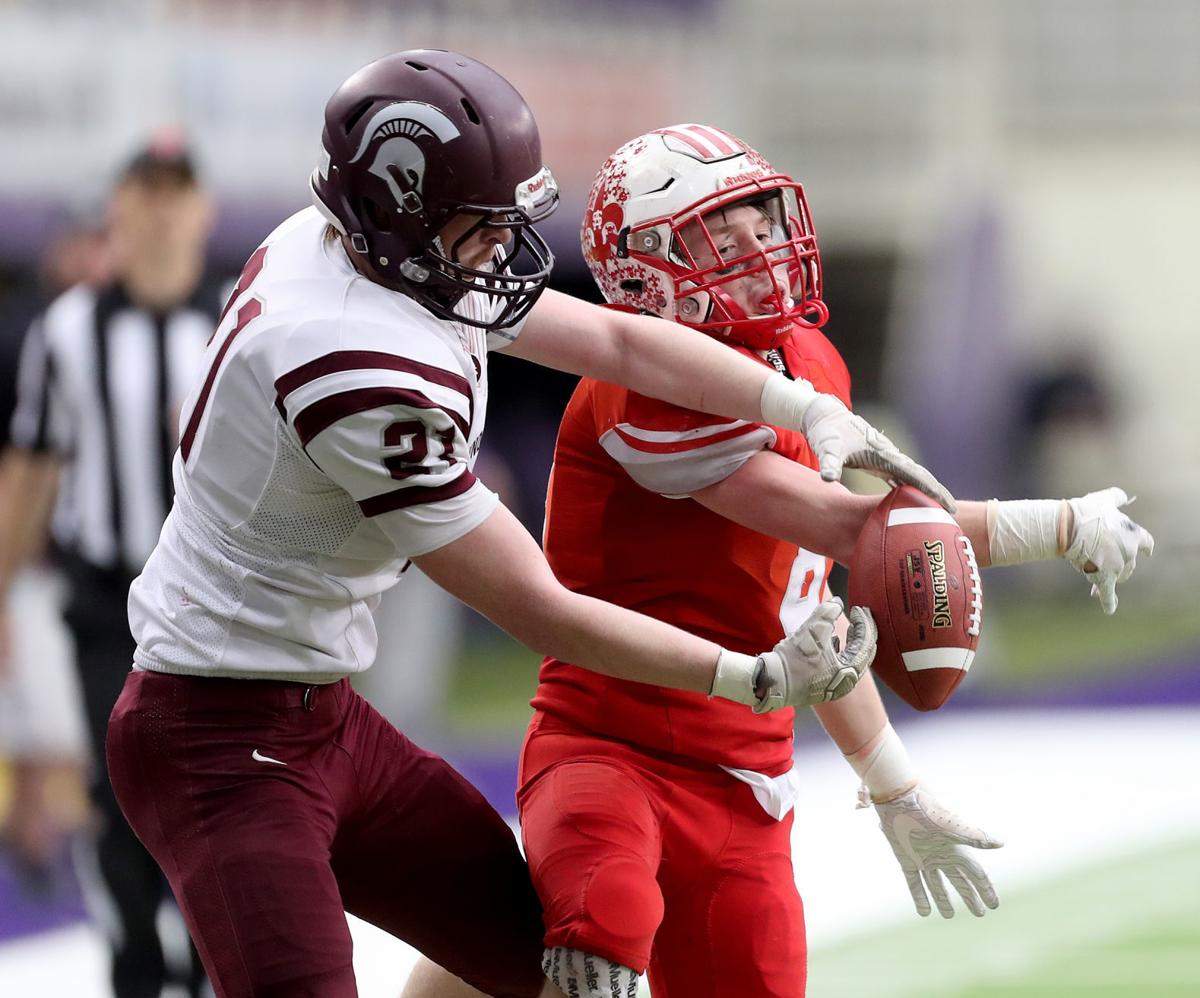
x,y
915,570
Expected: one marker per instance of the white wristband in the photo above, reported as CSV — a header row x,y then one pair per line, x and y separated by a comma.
x,y
784,402
734,677
1025,530
886,770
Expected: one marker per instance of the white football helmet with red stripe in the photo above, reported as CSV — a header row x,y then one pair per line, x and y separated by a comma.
x,y
661,183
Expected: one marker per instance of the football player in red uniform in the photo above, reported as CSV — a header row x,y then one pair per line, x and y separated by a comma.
x,y
657,822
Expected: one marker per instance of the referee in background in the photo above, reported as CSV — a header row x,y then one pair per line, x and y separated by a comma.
x,y
103,375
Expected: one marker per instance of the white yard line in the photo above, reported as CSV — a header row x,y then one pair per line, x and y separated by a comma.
x,y
1065,789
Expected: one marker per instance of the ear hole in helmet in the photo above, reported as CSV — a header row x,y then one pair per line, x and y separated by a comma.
x,y
416,65
632,285
356,115
472,114
379,219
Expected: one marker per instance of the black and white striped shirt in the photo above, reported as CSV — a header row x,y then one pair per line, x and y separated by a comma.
x,y
101,384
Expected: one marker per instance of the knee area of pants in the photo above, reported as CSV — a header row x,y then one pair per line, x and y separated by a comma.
x,y
584,975
623,900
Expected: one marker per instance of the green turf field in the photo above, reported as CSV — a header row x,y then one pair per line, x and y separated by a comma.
x,y
1129,928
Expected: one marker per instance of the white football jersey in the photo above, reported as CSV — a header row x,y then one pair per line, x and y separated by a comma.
x,y
332,437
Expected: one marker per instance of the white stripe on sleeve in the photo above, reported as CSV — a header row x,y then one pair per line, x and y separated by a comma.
x,y
678,473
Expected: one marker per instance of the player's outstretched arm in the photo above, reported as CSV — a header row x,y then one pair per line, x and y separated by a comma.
x,y
1090,532
783,499
929,841
499,570
668,361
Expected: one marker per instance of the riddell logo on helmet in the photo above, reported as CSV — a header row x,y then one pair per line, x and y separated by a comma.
x,y
537,189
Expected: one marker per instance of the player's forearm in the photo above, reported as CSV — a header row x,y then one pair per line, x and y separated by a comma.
x,y
686,368
660,359
856,722
858,725
499,570
1023,530
617,642
781,498
1090,532
972,518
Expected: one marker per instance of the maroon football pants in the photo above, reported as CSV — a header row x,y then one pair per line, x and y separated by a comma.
x,y
272,807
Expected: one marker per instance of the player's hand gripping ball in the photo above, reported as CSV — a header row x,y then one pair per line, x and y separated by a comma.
x,y
915,570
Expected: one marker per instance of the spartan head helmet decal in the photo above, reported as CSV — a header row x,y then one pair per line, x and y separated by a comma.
x,y
400,125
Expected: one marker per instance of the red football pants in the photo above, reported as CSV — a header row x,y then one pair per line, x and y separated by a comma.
x,y
654,862
263,856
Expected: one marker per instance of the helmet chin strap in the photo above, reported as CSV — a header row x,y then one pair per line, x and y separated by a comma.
x,y
821,311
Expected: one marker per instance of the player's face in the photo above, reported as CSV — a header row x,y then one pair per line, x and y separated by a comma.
x,y
478,248
731,234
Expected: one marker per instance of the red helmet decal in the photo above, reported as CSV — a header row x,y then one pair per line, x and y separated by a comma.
x,y
604,229
701,142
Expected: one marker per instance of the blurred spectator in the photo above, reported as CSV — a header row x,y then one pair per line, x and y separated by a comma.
x,y
104,371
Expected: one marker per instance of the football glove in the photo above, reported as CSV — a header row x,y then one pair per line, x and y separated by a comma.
x,y
1104,543
839,438
929,842
808,666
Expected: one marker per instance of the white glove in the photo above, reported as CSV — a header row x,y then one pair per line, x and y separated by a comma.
x,y
806,667
840,438
929,844
1102,542
1105,543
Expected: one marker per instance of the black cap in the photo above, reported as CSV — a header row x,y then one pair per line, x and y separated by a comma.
x,y
166,154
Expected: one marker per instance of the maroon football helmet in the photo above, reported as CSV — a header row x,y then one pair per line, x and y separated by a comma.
x,y
414,139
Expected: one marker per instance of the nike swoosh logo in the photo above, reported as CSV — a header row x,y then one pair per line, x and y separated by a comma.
x,y
257,756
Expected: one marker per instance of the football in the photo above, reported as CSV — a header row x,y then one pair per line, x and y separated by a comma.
x,y
915,570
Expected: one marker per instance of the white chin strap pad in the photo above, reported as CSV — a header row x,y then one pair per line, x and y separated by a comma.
x,y
574,972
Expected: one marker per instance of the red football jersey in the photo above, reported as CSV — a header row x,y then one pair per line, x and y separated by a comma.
x,y
619,527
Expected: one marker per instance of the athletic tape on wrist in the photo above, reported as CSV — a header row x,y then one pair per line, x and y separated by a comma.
x,y
885,769
734,677
784,402
1025,530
